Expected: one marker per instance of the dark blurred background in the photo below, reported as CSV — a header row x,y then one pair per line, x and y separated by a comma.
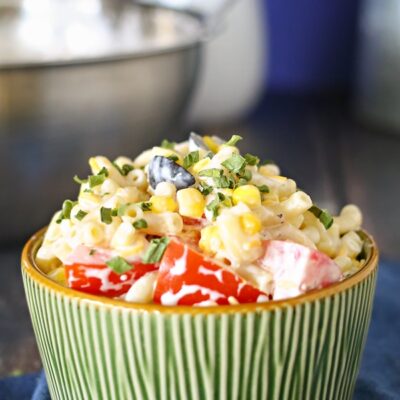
x,y
313,85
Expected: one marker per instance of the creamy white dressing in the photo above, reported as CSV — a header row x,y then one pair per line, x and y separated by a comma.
x,y
171,299
218,274
180,264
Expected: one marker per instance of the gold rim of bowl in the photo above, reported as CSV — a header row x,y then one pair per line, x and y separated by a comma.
x,y
33,271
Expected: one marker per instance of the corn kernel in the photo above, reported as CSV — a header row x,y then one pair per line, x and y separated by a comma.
x,y
191,202
161,204
250,223
248,194
200,165
211,143
58,275
210,241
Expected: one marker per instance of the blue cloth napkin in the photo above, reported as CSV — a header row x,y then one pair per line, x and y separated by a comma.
x,y
379,377
26,387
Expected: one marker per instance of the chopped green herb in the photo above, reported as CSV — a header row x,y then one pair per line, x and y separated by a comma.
x,y
214,206
114,212
87,190
263,188
242,182
80,215
173,157
166,144
106,215
92,252
145,205
233,140
79,180
191,159
121,209
246,175
155,250
251,160
323,215
211,173
96,180
140,224
205,189
66,210
125,169
119,265
103,171
224,182
235,163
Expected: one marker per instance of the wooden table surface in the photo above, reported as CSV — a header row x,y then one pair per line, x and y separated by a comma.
x,y
315,140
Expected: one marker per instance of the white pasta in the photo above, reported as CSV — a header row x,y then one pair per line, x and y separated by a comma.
x,y
237,246
144,159
123,236
312,233
142,290
165,189
138,178
350,218
351,245
270,170
298,203
167,222
92,233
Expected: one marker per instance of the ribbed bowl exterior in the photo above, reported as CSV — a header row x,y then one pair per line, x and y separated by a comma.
x,y
96,350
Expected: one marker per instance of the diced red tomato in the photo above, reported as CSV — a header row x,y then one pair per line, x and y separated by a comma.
x,y
297,269
194,222
86,270
186,277
102,280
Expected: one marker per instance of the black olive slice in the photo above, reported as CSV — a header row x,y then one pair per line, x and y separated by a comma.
x,y
162,169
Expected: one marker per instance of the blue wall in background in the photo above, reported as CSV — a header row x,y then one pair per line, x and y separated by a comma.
x,y
311,44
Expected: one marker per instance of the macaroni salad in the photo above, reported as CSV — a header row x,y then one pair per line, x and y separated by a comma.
x,y
197,223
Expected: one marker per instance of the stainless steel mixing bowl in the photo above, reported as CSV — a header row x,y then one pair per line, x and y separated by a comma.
x,y
79,78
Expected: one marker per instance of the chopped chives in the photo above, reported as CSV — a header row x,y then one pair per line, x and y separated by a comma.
x,y
323,215
80,215
119,265
155,250
233,140
191,159
106,215
140,224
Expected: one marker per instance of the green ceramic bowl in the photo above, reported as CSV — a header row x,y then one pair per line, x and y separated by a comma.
x,y
96,348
